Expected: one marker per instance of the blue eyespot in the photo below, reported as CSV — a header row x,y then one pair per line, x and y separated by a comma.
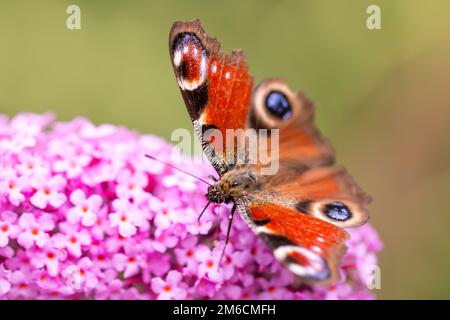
x,y
278,105
337,211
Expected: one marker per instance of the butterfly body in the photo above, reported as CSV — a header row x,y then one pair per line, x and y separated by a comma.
x,y
301,210
232,186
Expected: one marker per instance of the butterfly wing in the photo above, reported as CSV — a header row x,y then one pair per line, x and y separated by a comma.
x,y
215,86
308,246
299,210
307,180
275,106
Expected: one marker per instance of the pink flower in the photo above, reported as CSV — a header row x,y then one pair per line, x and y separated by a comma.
x,y
48,191
171,288
163,241
8,227
22,286
45,281
112,289
48,257
102,226
275,289
232,291
72,165
72,239
208,263
127,218
31,164
85,208
17,143
199,227
262,255
101,260
130,229
158,264
31,124
19,261
205,288
12,186
185,254
129,263
166,217
131,186
5,286
34,231
273,292
182,181
231,261
80,275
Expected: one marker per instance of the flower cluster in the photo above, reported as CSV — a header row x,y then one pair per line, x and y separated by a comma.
x,y
85,215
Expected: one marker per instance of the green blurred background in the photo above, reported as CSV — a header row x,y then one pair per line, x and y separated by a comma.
x,y
383,95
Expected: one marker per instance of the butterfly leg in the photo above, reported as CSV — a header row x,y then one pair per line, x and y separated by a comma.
x,y
233,210
213,178
230,222
203,211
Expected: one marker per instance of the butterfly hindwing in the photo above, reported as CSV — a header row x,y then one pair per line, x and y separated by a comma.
x,y
275,106
327,193
309,247
307,180
300,211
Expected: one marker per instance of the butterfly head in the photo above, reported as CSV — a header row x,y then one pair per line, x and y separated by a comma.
x,y
232,185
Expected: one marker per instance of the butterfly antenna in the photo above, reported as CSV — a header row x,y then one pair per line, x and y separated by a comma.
x,y
173,167
233,210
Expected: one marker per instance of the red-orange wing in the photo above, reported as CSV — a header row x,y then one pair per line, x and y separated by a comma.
x,y
216,87
307,180
275,106
309,247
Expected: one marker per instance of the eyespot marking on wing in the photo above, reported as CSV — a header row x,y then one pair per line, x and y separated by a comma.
x,y
303,262
278,105
274,105
337,211
190,58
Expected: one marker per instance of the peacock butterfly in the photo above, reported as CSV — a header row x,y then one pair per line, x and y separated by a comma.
x,y
301,211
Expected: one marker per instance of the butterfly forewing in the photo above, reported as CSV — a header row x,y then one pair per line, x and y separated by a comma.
x,y
216,87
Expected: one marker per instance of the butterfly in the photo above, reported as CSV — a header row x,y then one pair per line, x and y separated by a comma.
x,y
301,211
